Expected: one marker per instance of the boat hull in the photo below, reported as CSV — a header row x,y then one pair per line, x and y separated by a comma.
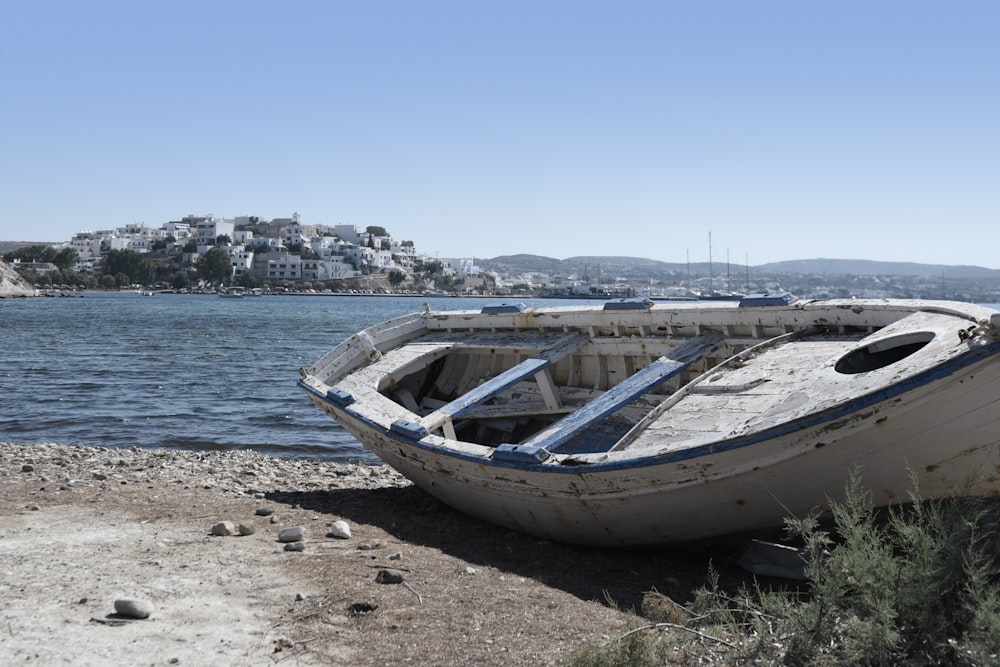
x,y
735,437
917,438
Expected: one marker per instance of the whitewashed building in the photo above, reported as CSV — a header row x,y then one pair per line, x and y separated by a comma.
x,y
284,266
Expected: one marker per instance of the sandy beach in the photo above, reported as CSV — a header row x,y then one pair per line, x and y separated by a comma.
x,y
82,527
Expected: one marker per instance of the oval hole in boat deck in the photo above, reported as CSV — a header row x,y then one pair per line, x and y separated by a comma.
x,y
882,353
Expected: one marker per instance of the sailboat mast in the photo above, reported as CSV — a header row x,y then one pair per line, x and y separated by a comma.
x,y
711,274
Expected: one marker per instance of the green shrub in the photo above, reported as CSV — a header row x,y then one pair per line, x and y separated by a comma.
x,y
912,584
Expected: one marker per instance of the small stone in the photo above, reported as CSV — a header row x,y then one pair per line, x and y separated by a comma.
x,y
247,529
361,609
224,528
292,534
341,530
388,575
100,476
364,546
264,511
27,467
274,518
396,556
299,597
133,608
470,570
295,546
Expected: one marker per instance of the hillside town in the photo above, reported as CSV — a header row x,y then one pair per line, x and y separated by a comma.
x,y
206,253
282,253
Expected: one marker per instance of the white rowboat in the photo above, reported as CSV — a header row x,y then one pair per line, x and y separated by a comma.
x,y
635,422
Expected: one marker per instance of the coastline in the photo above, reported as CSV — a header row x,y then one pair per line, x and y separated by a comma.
x,y
83,526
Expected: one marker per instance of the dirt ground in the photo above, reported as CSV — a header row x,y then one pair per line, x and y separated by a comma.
x,y
82,527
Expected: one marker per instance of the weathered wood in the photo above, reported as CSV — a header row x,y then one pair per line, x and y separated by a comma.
x,y
443,416
623,393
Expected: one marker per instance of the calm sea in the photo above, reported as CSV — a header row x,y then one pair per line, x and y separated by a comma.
x,y
181,371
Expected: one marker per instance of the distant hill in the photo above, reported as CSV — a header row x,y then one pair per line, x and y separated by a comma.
x,y
871,267
615,265
580,265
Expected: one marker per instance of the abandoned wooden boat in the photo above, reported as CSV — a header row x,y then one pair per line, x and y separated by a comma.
x,y
635,422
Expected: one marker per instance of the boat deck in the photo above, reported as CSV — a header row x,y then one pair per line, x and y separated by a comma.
x,y
779,384
791,380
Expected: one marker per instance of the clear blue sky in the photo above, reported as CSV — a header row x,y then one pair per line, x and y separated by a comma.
x,y
786,130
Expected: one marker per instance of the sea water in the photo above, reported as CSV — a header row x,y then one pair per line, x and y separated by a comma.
x,y
183,371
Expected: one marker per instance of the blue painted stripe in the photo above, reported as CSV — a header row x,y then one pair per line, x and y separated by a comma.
x,y
491,387
608,403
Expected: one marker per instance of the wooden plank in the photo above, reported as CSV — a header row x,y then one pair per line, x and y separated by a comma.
x,y
396,364
510,377
495,385
624,393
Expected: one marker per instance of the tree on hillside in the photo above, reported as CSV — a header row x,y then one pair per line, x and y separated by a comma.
x,y
429,268
396,277
135,267
163,243
66,258
375,230
32,253
214,265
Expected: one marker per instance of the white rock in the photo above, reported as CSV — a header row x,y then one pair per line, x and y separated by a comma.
x,y
292,534
340,529
133,608
224,528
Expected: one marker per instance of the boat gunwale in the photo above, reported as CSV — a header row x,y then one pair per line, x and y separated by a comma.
x,y
603,462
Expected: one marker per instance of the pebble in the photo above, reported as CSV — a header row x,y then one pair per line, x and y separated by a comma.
x,y
274,518
292,534
266,510
133,608
295,546
223,528
215,468
341,530
247,529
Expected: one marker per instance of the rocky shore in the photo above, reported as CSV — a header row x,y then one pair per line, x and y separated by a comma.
x,y
13,285
321,564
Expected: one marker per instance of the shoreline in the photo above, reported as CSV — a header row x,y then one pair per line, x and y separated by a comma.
x,y
83,528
